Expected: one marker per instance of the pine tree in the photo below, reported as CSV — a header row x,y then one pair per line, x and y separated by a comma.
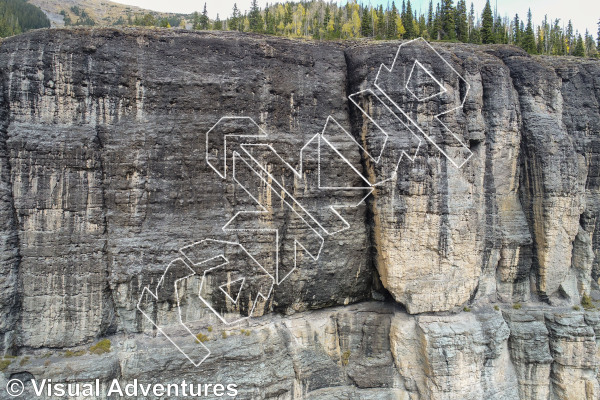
x,y
579,48
218,24
203,19
499,31
391,29
588,42
195,19
557,39
462,27
326,16
528,36
487,24
517,33
421,24
366,27
547,36
471,23
407,21
570,38
598,37
430,19
269,21
448,26
380,23
254,18
437,23
234,21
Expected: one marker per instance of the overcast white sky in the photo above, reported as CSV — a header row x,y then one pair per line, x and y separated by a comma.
x,y
583,13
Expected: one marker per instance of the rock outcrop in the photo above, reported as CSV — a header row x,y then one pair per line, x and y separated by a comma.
x,y
451,283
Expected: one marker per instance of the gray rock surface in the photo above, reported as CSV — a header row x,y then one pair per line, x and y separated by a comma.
x,y
103,178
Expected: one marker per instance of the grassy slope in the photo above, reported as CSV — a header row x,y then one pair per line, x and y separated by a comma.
x,y
104,12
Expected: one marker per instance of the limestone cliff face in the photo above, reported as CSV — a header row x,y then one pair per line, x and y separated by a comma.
x,y
103,179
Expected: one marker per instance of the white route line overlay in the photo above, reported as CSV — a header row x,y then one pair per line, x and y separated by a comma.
x,y
436,117
270,179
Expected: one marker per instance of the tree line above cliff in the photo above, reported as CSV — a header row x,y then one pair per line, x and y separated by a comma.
x,y
443,21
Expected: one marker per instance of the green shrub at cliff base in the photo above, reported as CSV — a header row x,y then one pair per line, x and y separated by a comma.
x,y
201,337
345,357
586,302
18,16
70,353
4,364
101,347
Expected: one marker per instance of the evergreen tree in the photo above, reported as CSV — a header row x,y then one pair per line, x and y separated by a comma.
x,y
269,21
544,37
326,17
421,24
598,37
391,29
517,32
499,31
448,25
437,23
234,21
380,23
366,26
570,38
487,24
557,39
528,36
218,24
588,42
462,27
18,16
471,23
195,21
430,19
203,20
579,48
254,18
407,21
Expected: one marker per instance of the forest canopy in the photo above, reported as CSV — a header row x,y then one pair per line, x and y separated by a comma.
x,y
442,21
18,16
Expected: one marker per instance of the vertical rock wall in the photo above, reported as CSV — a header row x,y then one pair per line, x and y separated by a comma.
x,y
103,180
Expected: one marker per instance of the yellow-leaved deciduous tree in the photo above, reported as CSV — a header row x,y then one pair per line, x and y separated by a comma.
x,y
351,28
347,30
331,25
280,12
356,22
400,30
416,27
299,15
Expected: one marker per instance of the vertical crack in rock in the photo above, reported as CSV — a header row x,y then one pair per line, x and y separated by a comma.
x,y
552,193
10,282
109,322
378,291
